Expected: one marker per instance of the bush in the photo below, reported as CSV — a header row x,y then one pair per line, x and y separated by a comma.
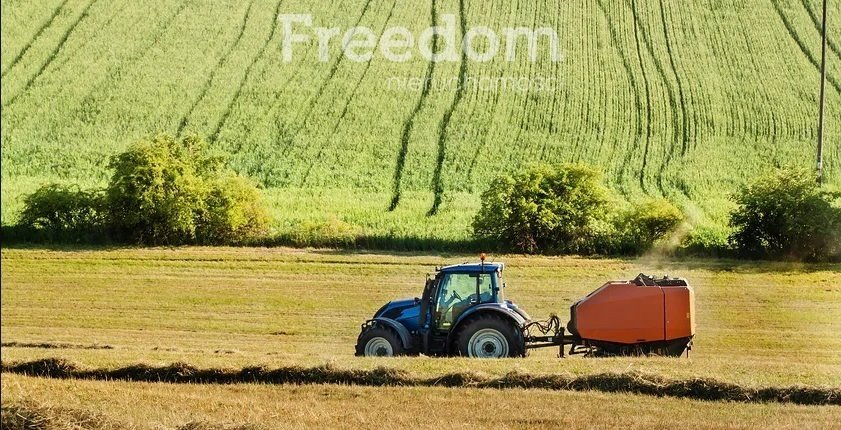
x,y
567,209
61,212
234,212
561,209
329,232
787,215
707,241
165,191
640,227
156,191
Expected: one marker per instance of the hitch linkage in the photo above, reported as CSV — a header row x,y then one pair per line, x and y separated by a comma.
x,y
551,334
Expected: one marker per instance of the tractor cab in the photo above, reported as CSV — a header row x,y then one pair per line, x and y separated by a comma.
x,y
456,289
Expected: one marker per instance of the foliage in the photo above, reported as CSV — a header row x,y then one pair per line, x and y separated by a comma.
x,y
567,209
156,193
329,232
165,191
787,215
545,209
706,241
63,212
644,224
234,211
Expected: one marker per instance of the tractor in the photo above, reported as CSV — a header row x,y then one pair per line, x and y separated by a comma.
x,y
463,312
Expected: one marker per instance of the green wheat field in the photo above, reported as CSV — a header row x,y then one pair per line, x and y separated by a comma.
x,y
686,100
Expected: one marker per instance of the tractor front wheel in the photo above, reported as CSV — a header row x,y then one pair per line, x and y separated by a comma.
x,y
377,341
490,336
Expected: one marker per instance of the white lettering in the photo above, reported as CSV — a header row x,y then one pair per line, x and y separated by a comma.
x,y
290,37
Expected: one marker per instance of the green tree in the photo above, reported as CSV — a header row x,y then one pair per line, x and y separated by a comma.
x,y
156,192
641,226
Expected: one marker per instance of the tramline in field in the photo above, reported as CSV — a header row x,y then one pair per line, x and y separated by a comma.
x,y
463,312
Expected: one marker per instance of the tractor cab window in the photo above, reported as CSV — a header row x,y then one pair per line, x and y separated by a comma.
x,y
459,291
486,287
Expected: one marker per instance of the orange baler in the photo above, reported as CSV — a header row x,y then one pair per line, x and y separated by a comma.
x,y
645,315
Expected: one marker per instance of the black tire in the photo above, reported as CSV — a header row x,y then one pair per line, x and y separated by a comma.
x,y
495,330
386,342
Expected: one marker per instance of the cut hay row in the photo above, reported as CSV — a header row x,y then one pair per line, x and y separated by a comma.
x,y
54,345
31,415
629,382
28,415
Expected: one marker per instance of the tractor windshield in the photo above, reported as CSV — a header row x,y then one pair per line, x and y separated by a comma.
x,y
459,291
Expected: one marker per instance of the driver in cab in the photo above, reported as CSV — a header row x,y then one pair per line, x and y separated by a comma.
x,y
458,293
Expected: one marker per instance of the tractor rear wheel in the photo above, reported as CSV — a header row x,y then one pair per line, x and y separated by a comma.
x,y
378,341
490,336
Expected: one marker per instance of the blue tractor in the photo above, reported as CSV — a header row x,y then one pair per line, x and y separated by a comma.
x,y
462,311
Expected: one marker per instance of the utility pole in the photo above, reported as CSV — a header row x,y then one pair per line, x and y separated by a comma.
x,y
822,101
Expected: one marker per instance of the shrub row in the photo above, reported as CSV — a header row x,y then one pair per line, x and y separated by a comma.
x,y
567,209
163,192
787,216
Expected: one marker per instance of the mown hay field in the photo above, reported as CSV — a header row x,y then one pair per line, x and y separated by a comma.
x,y
759,325
683,100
